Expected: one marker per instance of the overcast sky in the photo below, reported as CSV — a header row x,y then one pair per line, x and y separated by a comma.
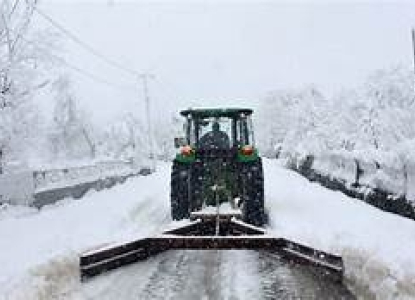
x,y
227,53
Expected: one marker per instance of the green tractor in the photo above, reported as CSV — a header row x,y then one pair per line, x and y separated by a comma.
x,y
218,163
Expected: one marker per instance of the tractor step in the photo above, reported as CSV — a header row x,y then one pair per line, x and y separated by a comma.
x,y
200,234
210,216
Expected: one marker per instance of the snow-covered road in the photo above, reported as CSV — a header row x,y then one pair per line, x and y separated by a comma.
x,y
40,249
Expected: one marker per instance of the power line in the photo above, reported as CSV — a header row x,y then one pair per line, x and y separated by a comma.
x,y
413,45
81,71
84,45
99,55
94,77
92,51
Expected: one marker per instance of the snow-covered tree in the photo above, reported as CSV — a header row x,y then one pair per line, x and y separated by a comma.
x,y
390,98
290,119
23,57
72,134
164,133
376,116
125,138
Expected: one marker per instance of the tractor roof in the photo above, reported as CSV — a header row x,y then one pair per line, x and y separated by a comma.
x,y
216,112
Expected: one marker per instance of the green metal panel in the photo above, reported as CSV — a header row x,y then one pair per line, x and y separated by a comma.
x,y
186,158
247,158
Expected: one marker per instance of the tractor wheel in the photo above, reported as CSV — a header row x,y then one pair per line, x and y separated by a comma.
x,y
179,191
196,183
252,192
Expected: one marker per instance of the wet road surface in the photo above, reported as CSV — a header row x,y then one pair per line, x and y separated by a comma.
x,y
215,274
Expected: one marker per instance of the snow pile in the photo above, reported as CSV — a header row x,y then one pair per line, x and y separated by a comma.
x,y
337,165
384,170
16,211
377,247
224,208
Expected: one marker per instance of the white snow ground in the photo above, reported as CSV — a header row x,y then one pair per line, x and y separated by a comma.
x,y
377,247
39,250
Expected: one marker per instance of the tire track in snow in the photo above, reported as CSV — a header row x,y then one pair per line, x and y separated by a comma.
x,y
282,280
191,274
240,275
207,274
168,277
186,275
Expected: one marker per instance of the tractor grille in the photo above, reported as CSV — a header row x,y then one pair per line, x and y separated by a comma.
x,y
212,154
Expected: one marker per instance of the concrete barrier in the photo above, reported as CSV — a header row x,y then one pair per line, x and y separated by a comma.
x,y
42,187
386,186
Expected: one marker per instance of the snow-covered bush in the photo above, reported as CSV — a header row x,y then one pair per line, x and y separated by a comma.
x,y
365,135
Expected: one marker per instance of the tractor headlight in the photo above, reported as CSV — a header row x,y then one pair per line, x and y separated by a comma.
x,y
187,150
247,150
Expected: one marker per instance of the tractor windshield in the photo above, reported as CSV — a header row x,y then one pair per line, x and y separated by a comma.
x,y
215,133
219,132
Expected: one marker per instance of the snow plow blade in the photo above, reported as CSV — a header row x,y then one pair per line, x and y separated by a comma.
x,y
200,234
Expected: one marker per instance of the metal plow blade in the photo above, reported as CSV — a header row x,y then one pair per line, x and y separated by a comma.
x,y
204,234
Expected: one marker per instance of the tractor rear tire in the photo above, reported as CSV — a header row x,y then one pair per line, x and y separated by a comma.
x,y
252,190
180,191
196,183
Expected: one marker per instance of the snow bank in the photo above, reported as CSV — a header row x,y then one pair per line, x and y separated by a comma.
x,y
389,171
377,247
40,250
385,180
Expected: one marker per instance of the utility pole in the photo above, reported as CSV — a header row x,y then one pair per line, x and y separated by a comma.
x,y
144,78
413,46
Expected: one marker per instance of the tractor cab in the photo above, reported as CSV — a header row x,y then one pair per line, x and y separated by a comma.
x,y
217,132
